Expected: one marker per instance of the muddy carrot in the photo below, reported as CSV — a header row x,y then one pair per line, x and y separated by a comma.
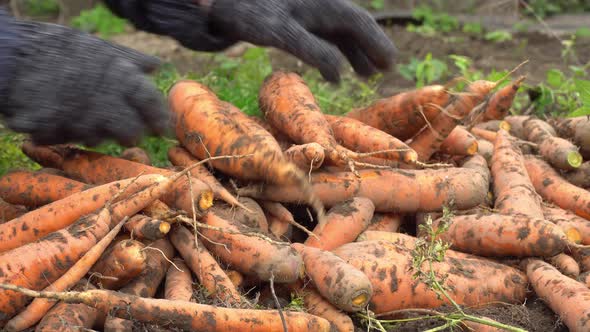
x,y
460,142
389,222
577,129
581,253
485,149
206,125
145,227
576,228
517,125
555,189
499,104
280,228
45,157
389,267
307,157
255,218
558,151
281,138
493,125
513,189
204,266
179,281
567,297
137,155
566,264
119,265
404,114
584,278
581,176
10,211
236,277
484,134
344,222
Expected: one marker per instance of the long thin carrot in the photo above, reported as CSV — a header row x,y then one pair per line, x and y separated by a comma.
x,y
513,189
499,104
343,285
10,211
34,189
204,266
179,156
404,114
558,151
207,126
567,297
39,307
555,189
188,315
460,142
397,191
179,281
119,264
144,227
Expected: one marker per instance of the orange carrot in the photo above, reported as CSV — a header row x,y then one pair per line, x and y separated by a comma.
x,y
567,297
159,210
179,282
360,137
576,228
584,278
499,104
581,176
404,114
460,142
255,219
45,157
34,189
137,155
119,265
513,189
493,125
179,156
485,149
52,217
341,284
98,168
581,253
280,228
484,134
193,316
397,191
39,307
429,140
10,211
517,125
145,227
555,189
577,129
281,138
500,235
389,267
558,151
389,222
204,266
206,125
566,264
252,255
344,222
307,157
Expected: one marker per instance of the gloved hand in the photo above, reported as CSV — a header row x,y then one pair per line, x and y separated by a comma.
x,y
71,87
312,30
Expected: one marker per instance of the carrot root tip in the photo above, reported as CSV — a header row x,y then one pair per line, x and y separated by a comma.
x,y
206,201
575,159
505,125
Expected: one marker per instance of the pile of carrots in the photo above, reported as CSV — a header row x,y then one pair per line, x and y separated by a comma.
x,y
255,211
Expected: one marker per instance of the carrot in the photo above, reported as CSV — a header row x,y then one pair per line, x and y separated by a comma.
x,y
114,324
493,125
484,134
341,284
317,305
10,211
485,149
52,217
137,155
584,278
469,326
344,222
498,105
279,228
54,171
179,156
307,157
189,315
389,222
119,265
513,189
159,210
517,125
566,264
34,189
389,267
429,140
56,252
503,235
45,157
145,227
204,266
98,168
404,114
581,253
179,282
288,104
567,297
68,316
581,176
396,191
255,219
577,129
555,189
559,152
360,137
252,255
206,125
576,228
236,277
40,307
460,142
281,138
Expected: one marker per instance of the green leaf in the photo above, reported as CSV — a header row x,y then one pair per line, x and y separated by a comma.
x,y
555,78
582,111
583,88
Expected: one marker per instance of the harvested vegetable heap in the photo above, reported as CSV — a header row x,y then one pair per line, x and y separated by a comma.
x,y
423,200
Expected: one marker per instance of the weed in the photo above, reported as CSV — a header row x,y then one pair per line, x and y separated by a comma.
x,y
41,7
498,36
432,22
11,156
99,20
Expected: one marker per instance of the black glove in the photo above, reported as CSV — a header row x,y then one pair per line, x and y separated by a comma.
x,y
312,30
71,87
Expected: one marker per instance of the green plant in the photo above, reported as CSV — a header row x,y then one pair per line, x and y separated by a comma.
x,y
41,7
99,20
377,4
11,156
474,28
432,22
424,72
498,36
